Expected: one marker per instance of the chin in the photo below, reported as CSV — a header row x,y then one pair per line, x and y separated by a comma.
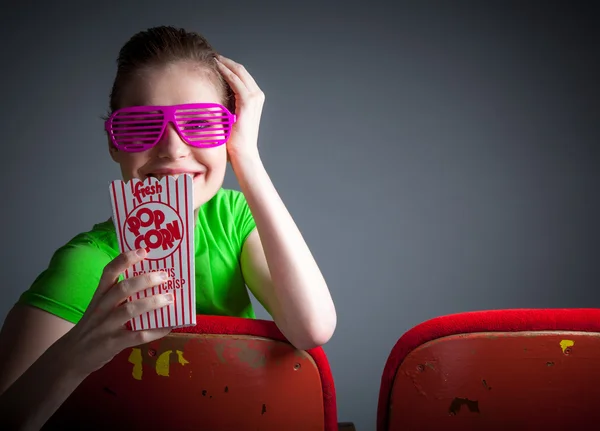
x,y
204,191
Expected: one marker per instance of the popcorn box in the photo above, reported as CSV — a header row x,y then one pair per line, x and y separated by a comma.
x,y
158,215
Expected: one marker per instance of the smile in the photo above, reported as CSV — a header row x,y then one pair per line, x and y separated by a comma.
x,y
175,175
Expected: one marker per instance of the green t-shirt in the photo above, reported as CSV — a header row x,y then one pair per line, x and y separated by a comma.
x,y
66,287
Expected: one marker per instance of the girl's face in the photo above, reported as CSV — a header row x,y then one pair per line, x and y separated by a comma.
x,y
174,84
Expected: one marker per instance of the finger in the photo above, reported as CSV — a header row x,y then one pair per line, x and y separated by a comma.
x,y
241,72
234,81
129,287
116,267
131,309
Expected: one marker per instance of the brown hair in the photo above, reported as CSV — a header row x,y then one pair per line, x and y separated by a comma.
x,y
162,45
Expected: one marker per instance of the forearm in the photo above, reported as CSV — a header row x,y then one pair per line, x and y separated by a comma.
x,y
34,397
304,308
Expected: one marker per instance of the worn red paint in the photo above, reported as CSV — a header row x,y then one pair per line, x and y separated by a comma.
x,y
229,383
499,381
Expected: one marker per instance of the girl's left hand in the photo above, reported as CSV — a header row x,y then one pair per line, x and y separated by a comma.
x,y
249,101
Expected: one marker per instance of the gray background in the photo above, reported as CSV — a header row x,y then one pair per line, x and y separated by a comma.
x,y
438,157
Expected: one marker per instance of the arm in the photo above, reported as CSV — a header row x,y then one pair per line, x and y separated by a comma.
x,y
44,358
34,379
277,264
279,268
26,334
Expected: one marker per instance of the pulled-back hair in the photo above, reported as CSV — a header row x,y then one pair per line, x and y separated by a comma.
x,y
160,46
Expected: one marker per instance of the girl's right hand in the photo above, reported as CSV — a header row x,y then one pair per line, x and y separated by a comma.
x,y
101,333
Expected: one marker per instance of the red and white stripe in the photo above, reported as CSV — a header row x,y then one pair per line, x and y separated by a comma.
x,y
179,195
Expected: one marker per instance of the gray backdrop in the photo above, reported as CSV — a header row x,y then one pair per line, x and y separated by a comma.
x,y
439,157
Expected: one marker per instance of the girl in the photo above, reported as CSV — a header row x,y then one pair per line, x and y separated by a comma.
x,y
71,320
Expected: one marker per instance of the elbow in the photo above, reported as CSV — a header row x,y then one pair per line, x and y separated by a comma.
x,y
315,335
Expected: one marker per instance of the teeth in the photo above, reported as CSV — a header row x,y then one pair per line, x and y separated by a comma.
x,y
161,176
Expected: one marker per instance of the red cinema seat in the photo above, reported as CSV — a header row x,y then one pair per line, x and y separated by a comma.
x,y
523,369
225,373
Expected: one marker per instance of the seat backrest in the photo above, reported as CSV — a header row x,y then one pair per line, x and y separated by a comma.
x,y
225,373
495,370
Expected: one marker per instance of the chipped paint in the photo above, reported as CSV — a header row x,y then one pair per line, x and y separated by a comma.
x,y
299,353
565,344
248,354
219,349
455,405
554,378
110,391
135,358
209,374
162,363
180,358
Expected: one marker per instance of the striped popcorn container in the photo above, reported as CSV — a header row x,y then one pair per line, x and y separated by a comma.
x,y
158,215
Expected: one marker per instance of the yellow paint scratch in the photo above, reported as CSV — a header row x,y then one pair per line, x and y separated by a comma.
x,y
566,343
135,358
181,359
162,363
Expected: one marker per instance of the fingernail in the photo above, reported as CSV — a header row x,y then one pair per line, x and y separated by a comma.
x,y
141,252
163,275
169,297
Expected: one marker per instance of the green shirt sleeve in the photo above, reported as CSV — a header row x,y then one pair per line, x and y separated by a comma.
x,y
65,288
244,221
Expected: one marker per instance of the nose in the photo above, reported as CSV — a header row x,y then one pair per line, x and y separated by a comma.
x,y
171,146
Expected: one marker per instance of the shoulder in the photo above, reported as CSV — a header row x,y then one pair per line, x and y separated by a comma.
x,y
99,244
225,197
226,203
228,214
65,287
101,236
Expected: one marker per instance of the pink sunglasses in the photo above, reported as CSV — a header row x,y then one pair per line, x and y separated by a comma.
x,y
139,128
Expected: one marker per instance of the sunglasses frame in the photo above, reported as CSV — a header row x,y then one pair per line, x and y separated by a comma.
x,y
169,116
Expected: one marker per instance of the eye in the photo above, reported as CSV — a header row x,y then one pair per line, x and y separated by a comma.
x,y
196,124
